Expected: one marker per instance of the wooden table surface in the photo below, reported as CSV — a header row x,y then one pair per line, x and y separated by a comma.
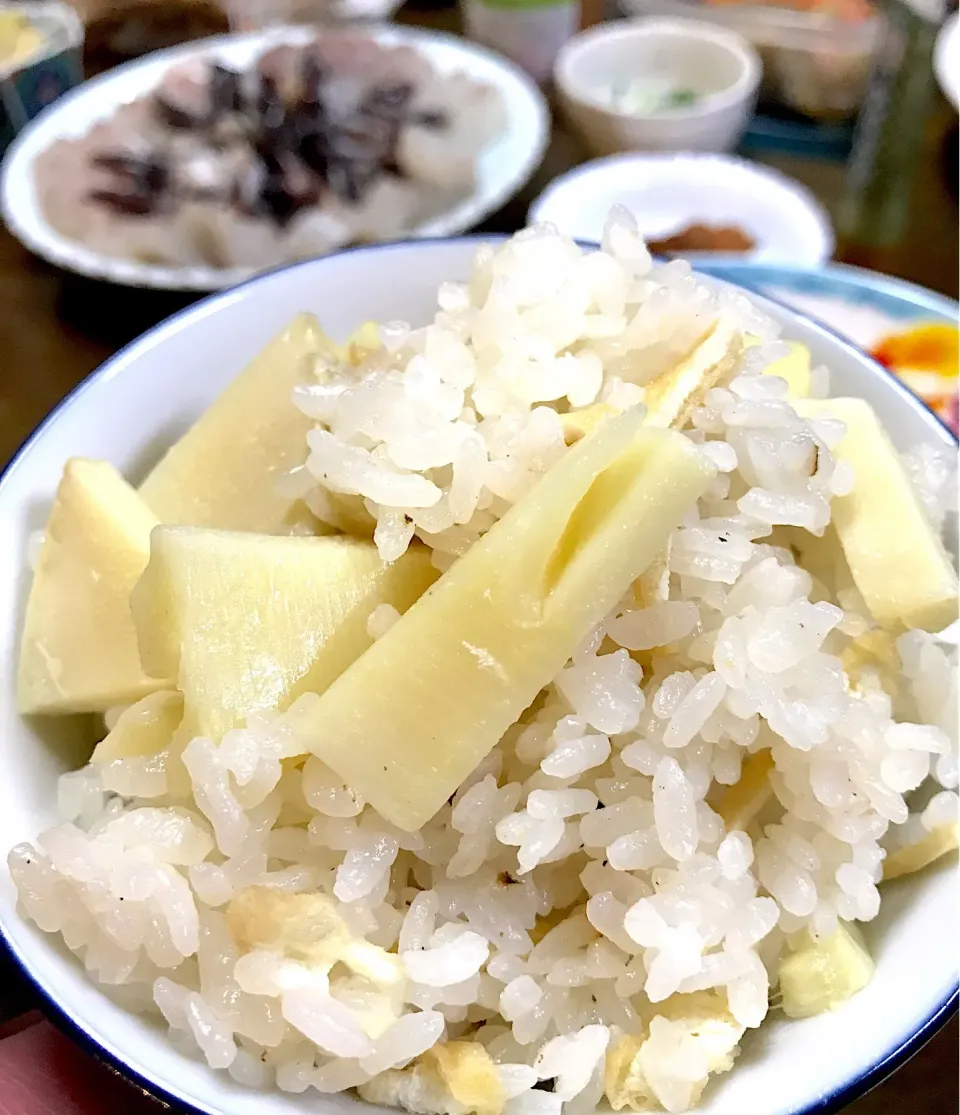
x,y
56,328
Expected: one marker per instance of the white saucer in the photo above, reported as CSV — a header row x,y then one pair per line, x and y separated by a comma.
x,y
669,192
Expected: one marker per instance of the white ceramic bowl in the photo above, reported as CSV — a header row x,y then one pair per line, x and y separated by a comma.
x,y
127,412
666,193
719,65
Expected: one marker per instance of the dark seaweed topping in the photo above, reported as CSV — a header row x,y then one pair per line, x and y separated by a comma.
x,y
270,106
276,201
128,205
313,153
226,91
147,174
312,77
175,117
299,149
348,180
387,100
433,119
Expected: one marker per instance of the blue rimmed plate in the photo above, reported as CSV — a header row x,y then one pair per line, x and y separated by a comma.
x,y
910,330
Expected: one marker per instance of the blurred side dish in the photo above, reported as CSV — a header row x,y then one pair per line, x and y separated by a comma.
x,y
18,39
338,141
927,358
816,54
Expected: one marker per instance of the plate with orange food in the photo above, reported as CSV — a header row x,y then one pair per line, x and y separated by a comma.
x,y
911,331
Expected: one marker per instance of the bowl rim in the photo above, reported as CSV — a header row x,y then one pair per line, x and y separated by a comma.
x,y
896,1055
652,27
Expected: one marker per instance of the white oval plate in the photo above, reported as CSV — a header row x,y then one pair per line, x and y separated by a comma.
x,y
503,168
132,407
668,192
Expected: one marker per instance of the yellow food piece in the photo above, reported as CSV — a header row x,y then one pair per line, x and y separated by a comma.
x,y
18,38
409,720
301,521
794,368
699,1025
419,1089
624,1084
545,923
895,556
306,928
362,344
653,584
740,803
223,472
819,975
143,729
248,622
821,557
301,926
346,514
873,650
672,397
931,347
79,649
470,1075
915,857
578,423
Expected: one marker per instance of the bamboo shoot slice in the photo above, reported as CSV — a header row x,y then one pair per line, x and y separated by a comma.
x,y
248,622
78,652
895,555
223,472
410,719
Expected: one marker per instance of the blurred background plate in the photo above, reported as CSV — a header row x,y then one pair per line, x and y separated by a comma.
x,y
668,193
252,15
946,60
910,330
502,168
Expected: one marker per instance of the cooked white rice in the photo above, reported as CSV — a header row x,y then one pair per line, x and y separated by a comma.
x,y
581,879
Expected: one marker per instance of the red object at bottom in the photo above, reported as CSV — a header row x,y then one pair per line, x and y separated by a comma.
x,y
44,1073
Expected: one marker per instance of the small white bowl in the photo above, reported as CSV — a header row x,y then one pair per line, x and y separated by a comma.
x,y
666,193
719,65
126,412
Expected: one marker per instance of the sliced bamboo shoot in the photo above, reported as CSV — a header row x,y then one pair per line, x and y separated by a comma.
x,y
820,975
247,622
672,397
79,648
410,719
740,803
224,471
794,368
895,556
915,857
